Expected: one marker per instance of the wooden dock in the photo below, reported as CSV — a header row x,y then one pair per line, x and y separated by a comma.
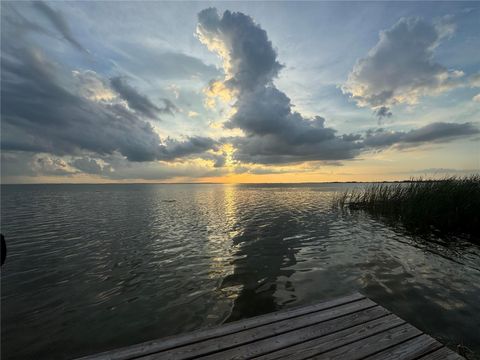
x,y
347,328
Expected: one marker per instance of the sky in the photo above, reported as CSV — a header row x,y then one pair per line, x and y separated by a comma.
x,y
238,92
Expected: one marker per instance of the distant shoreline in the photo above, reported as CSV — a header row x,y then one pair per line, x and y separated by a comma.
x,y
248,183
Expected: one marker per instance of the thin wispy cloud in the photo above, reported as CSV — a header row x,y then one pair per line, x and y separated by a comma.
x,y
59,23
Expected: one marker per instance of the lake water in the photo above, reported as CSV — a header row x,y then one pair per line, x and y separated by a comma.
x,y
95,267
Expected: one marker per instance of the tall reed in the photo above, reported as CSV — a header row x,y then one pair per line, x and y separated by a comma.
x,y
449,205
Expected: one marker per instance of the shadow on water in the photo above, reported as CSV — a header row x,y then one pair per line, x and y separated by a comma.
x,y
274,227
423,233
263,265
260,261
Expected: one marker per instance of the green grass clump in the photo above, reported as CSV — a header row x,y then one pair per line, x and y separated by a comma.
x,y
450,205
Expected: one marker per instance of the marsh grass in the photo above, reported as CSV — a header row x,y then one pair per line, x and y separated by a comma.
x,y
450,205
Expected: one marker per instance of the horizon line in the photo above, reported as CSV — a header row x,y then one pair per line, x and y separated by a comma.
x,y
239,183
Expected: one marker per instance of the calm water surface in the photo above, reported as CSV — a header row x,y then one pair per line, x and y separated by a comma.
x,y
94,267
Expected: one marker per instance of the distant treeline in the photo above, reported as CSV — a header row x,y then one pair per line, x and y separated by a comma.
x,y
450,205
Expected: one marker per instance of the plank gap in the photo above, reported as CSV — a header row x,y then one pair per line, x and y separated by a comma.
x,y
176,341
261,337
314,342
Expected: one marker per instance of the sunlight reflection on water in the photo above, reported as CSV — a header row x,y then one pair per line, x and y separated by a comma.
x,y
94,267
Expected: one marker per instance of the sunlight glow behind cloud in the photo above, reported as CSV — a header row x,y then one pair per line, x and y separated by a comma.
x,y
153,105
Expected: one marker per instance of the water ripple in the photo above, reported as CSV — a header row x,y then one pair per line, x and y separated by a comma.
x,y
94,267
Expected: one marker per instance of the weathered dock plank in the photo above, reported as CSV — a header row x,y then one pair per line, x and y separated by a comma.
x,y
409,350
369,346
319,345
266,345
261,332
350,327
155,346
442,354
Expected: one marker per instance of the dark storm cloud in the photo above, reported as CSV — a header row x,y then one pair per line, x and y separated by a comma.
x,y
59,23
140,102
274,132
434,132
401,67
40,114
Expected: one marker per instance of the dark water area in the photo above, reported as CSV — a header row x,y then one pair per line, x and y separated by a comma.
x,y
95,267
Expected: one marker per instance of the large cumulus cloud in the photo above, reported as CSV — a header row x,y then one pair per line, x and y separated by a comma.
x,y
274,132
249,58
401,67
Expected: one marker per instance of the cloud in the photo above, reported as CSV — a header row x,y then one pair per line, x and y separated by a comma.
x,y
401,68
274,133
63,121
474,81
59,23
26,167
92,86
434,132
49,165
383,112
41,112
141,103
155,171
149,62
170,65
249,58
174,149
90,166
17,25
